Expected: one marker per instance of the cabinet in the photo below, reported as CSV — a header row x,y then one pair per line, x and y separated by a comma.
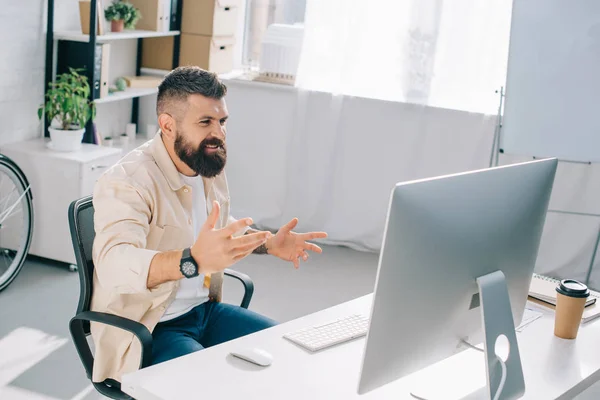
x,y
56,180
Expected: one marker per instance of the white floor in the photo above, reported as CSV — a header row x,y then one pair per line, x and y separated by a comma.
x,y
39,362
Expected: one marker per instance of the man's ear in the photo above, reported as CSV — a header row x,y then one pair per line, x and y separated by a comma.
x,y
168,126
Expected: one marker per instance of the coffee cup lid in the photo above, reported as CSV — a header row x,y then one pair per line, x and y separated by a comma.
x,y
572,288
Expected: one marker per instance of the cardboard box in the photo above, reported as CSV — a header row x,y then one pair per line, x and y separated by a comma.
x,y
211,53
157,53
208,52
210,17
156,15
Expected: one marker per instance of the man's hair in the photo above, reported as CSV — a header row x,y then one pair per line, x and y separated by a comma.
x,y
184,81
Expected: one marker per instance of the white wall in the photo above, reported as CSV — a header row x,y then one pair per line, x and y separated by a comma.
x,y
21,68
290,155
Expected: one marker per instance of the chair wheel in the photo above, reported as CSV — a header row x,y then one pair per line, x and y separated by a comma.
x,y
73,268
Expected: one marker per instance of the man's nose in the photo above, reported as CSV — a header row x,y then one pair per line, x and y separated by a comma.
x,y
219,132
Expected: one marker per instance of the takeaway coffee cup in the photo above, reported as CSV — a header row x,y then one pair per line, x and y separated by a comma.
x,y
571,296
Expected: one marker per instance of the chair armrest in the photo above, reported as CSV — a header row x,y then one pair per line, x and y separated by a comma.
x,y
248,285
81,344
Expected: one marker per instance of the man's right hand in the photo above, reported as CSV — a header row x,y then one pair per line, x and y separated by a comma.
x,y
217,249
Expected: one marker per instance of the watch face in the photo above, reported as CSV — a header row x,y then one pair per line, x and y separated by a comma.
x,y
188,268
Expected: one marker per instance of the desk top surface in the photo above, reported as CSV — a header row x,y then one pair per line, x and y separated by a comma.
x,y
553,368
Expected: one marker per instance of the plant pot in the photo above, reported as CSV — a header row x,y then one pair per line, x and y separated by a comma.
x,y
117,26
124,140
65,140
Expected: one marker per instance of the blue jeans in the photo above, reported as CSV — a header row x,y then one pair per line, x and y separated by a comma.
x,y
206,325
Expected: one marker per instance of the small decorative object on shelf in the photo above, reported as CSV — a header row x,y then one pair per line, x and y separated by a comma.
x,y
124,140
131,130
108,141
122,14
121,84
68,109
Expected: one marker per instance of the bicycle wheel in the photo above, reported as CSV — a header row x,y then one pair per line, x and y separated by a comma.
x,y
16,220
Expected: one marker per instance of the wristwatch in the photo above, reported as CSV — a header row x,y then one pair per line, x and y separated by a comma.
x,y
188,266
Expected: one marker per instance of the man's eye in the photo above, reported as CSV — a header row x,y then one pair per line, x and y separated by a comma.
x,y
205,122
223,121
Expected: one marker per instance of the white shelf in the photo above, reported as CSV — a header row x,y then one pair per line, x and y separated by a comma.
x,y
77,36
126,94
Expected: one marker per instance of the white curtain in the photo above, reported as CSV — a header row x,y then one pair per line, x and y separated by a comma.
x,y
443,53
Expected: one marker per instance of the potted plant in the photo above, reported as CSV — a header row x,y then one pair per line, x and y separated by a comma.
x,y
121,14
68,109
108,141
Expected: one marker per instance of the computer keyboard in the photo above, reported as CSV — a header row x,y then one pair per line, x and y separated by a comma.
x,y
331,333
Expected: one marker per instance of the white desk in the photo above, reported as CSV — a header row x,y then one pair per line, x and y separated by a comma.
x,y
554,368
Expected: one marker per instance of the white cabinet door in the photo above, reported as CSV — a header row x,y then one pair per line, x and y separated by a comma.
x,y
92,170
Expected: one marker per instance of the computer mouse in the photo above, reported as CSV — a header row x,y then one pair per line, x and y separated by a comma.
x,y
254,355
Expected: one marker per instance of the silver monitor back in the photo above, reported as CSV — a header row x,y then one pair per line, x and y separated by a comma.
x,y
442,234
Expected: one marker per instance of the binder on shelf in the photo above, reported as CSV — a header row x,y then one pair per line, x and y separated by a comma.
x,y
166,16
174,22
75,55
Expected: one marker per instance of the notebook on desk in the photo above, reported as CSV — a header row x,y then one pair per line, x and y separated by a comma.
x,y
543,288
543,292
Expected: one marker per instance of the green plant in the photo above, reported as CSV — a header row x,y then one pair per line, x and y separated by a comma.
x,y
123,10
67,100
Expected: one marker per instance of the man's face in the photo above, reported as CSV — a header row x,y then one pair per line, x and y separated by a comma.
x,y
200,141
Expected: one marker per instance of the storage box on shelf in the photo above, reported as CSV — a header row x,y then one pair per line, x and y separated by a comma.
x,y
210,17
156,14
208,30
211,53
56,180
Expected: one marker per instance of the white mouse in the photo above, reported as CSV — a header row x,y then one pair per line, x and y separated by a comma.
x,y
254,355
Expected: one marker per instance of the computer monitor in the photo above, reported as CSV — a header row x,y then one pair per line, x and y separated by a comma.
x,y
450,244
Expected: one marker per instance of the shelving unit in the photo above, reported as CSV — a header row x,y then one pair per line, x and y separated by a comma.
x,y
92,39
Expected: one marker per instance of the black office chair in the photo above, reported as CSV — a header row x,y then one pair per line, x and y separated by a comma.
x,y
81,222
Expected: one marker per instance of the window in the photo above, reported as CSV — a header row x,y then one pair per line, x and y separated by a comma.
x,y
259,15
449,54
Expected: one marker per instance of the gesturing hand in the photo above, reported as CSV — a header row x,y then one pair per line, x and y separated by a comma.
x,y
217,249
291,246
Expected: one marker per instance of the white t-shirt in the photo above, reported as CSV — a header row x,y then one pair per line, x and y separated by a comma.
x,y
191,292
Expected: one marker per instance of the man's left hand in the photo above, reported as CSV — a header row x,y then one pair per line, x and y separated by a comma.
x,y
291,246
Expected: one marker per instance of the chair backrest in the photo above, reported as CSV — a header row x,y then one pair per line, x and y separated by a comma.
x,y
81,222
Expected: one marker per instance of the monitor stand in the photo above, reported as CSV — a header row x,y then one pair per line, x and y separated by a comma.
x,y
497,320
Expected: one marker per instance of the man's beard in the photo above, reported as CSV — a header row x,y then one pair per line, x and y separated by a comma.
x,y
206,165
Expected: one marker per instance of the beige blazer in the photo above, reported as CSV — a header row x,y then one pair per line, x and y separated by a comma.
x,y
141,208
